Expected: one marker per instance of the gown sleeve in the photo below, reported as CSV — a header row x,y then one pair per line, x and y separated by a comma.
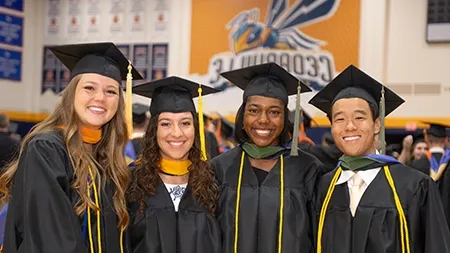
x,y
41,216
429,230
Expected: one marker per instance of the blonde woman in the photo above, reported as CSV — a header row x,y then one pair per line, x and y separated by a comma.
x,y
65,192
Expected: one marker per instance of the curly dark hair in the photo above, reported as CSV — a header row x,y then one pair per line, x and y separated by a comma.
x,y
202,181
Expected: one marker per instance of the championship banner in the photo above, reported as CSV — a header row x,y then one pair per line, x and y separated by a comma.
x,y
314,40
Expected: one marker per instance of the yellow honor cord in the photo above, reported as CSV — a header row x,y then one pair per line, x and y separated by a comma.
x,y
129,102
404,234
280,232
201,124
238,198
97,204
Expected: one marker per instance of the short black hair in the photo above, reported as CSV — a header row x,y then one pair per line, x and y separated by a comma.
x,y
373,110
241,136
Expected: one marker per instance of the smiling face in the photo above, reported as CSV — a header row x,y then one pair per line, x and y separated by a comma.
x,y
96,100
264,120
353,127
420,149
175,134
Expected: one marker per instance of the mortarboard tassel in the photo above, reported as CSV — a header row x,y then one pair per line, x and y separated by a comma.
x,y
382,116
294,147
129,102
201,124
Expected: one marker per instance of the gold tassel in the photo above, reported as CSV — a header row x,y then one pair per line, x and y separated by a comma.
x,y
201,124
129,102
382,138
294,147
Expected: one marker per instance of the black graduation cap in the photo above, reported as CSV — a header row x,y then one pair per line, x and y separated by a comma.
x,y
418,138
307,119
437,129
140,113
226,127
268,80
171,94
354,83
99,58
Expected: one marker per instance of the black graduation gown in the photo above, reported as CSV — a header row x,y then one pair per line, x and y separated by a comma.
x,y
422,164
193,229
137,145
260,205
375,227
41,215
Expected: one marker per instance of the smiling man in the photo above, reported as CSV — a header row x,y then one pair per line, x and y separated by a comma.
x,y
371,202
266,194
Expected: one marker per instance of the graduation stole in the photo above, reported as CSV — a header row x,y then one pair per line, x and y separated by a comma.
x,y
175,167
89,135
366,162
437,169
269,152
362,162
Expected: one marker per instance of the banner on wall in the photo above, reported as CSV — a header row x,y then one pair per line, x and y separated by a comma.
x,y
160,22
12,4
137,17
313,40
75,18
11,30
149,59
10,64
11,35
53,19
80,21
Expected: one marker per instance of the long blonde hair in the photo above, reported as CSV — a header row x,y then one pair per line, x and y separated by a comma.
x,y
106,159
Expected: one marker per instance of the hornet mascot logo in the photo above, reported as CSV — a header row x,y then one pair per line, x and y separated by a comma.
x,y
278,40
280,30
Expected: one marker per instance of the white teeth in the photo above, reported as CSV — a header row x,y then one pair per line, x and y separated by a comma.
x,y
351,138
96,109
176,143
263,132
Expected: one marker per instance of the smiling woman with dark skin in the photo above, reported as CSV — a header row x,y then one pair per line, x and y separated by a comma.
x,y
265,193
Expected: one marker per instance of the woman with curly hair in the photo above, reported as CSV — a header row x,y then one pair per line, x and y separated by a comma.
x,y
173,193
66,190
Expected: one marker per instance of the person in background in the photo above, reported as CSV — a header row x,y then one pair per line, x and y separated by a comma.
x,y
225,133
141,116
328,153
212,145
66,190
327,139
173,195
413,149
372,202
394,150
436,161
419,148
8,145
